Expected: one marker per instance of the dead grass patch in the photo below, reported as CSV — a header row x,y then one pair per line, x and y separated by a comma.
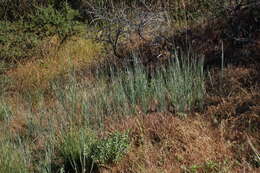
x,y
75,54
166,143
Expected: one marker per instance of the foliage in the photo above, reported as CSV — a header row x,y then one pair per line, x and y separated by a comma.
x,y
180,85
22,38
12,159
15,42
75,143
111,149
81,149
14,10
5,111
48,21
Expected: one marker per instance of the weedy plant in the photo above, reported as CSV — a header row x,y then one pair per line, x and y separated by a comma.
x,y
76,148
83,151
111,149
5,111
12,158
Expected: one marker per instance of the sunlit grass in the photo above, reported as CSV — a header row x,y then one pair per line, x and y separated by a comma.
x,y
13,158
75,54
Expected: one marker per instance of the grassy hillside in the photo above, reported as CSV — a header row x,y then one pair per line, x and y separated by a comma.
x,y
129,86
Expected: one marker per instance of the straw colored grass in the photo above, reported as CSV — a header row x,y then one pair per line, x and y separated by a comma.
x,y
75,54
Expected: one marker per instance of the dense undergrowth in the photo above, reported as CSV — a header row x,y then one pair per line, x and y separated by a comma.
x,y
129,86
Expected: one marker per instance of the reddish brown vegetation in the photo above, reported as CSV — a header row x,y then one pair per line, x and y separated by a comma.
x,y
228,127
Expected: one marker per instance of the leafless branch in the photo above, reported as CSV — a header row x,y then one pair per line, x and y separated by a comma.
x,y
117,25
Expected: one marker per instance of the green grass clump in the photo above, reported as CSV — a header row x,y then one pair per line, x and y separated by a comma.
x,y
76,143
12,158
185,84
130,92
81,149
181,84
5,111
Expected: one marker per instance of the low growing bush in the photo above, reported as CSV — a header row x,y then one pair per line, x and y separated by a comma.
x,y
110,149
82,150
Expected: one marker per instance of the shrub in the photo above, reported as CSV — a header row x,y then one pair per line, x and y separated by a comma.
x,y
14,10
82,149
48,21
111,149
21,39
15,42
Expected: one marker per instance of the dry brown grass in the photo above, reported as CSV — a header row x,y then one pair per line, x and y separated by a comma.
x,y
165,143
75,54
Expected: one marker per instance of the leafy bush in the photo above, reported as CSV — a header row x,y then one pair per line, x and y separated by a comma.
x,y
15,42
14,10
48,21
111,149
82,149
21,39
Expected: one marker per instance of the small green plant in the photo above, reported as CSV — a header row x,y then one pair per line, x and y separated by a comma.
x,y
75,143
111,149
208,167
5,111
82,150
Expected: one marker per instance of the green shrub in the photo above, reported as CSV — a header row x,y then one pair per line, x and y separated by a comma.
x,y
111,149
48,21
82,149
15,42
21,39
14,10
